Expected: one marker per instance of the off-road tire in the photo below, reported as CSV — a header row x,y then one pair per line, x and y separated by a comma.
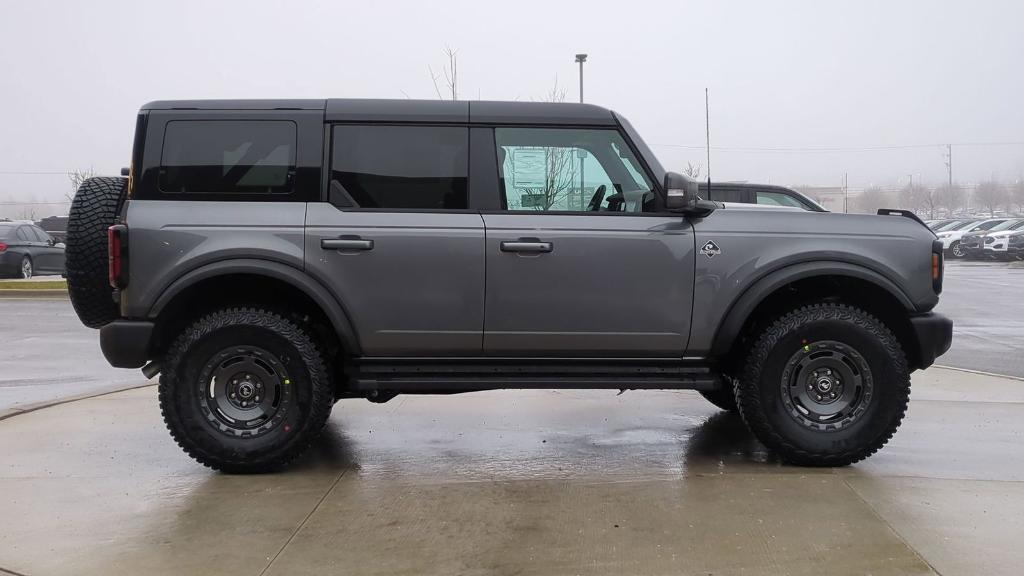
x,y
183,390
94,209
760,391
724,397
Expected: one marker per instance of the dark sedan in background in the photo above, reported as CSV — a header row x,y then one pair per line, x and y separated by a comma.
x,y
747,193
26,250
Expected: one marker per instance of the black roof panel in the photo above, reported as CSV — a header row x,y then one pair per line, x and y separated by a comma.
x,y
484,112
358,110
234,105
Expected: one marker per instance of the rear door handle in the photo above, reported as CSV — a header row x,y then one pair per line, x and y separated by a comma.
x,y
346,243
524,245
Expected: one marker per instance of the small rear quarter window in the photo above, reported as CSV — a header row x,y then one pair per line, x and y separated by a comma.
x,y
228,157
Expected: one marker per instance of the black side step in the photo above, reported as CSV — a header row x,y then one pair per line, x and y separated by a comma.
x,y
449,376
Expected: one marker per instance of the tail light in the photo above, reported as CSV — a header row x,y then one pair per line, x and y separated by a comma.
x,y
3,246
117,255
937,266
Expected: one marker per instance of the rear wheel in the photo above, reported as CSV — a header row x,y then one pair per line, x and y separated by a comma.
x,y
26,267
245,390
825,385
94,209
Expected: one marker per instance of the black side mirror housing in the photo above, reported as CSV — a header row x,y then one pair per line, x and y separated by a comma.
x,y
682,195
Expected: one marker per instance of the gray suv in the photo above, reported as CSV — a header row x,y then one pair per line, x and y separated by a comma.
x,y
269,257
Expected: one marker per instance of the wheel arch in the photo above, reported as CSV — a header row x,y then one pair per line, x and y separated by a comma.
x,y
784,288
286,283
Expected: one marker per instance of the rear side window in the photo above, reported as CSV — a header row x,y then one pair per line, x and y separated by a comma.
x,y
228,157
400,167
25,234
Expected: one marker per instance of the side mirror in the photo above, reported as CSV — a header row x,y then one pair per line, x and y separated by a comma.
x,y
683,195
680,192
60,245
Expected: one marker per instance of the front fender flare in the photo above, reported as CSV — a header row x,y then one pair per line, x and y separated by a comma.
x,y
319,294
744,305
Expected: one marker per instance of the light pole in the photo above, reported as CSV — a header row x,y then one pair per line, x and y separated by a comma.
x,y
581,58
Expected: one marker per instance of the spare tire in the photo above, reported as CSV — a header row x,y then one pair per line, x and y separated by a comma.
x,y
94,209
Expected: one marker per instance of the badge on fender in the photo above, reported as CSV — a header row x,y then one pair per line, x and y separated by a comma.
x,y
710,249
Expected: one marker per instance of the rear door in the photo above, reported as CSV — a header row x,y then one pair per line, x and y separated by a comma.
x,y
396,240
49,259
580,262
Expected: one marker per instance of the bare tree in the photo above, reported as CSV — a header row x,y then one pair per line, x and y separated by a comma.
x,y
450,72
693,171
990,195
950,198
927,200
910,197
77,177
1017,195
27,213
871,199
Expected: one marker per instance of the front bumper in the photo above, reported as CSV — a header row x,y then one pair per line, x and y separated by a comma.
x,y
934,336
125,343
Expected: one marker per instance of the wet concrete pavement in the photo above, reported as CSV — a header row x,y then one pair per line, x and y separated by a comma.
x,y
520,482
986,302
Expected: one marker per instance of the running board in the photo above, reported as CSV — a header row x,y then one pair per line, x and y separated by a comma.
x,y
446,377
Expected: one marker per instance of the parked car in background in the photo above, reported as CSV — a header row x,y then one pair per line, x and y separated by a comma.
x,y
951,238
954,224
995,243
936,224
1015,245
973,243
27,250
764,194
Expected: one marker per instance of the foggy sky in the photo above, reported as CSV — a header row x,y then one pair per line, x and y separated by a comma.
x,y
781,75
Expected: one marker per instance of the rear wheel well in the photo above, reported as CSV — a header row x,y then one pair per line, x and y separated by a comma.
x,y
240,290
863,294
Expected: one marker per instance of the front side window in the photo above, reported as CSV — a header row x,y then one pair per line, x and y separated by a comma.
x,y
567,169
228,157
400,167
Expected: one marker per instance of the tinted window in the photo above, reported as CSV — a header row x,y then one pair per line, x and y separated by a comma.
x,y
228,156
722,194
423,167
25,234
6,231
987,225
557,169
41,234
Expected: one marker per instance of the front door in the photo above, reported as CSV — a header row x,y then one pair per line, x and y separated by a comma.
x,y
579,263
397,243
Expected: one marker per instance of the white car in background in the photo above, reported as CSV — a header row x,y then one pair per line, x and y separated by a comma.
x,y
951,238
996,243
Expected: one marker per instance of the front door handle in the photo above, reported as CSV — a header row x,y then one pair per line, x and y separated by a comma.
x,y
346,243
529,245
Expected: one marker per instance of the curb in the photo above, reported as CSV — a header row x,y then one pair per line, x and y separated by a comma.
x,y
34,285
979,372
12,412
12,294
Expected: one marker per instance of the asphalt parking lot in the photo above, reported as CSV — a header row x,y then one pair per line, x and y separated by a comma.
x,y
514,482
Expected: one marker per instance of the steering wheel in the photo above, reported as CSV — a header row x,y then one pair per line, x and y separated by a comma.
x,y
596,199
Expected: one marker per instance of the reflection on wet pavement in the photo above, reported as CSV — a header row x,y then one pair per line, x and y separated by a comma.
x,y
525,482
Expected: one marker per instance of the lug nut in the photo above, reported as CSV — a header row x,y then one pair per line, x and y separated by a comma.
x,y
832,395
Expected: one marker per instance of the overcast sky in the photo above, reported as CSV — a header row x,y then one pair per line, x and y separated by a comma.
x,y
796,76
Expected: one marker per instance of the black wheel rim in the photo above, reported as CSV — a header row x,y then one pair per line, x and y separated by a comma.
x,y
826,385
245,391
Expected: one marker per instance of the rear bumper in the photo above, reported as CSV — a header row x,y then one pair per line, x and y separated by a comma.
x,y
934,336
125,343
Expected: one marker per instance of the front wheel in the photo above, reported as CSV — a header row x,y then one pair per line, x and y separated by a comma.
x,y
245,390
825,385
957,250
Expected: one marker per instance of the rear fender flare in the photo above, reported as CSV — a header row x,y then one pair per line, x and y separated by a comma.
x,y
323,298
